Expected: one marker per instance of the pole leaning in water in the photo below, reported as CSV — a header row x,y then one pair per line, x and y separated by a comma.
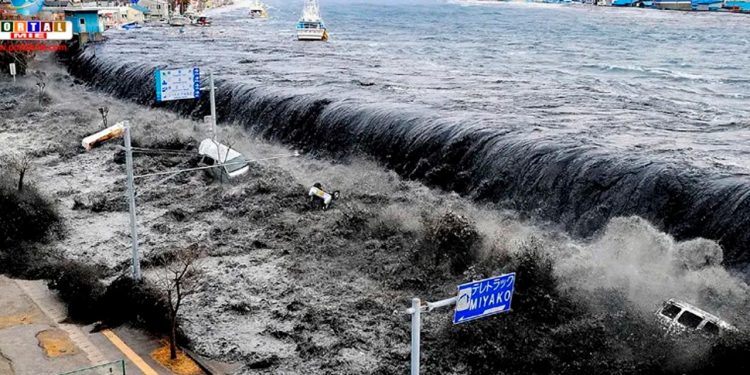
x,y
131,202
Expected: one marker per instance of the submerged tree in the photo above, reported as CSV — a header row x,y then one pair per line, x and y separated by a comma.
x,y
41,84
104,111
178,279
19,163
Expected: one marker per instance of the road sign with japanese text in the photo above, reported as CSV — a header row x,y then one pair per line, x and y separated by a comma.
x,y
482,298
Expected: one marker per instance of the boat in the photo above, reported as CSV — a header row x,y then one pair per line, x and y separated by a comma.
x,y
130,26
258,10
673,4
706,5
627,3
737,6
310,25
202,21
179,21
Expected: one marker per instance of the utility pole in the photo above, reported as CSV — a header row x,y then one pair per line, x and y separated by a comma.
x,y
213,105
416,322
131,202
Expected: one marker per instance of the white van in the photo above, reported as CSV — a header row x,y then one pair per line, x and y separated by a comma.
x,y
213,152
677,317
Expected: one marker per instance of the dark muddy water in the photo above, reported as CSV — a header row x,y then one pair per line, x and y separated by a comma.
x,y
575,114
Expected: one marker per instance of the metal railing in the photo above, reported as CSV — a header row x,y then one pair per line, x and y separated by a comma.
x,y
111,368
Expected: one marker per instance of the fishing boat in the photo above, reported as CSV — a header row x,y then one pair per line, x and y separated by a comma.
x,y
258,10
310,25
673,4
178,20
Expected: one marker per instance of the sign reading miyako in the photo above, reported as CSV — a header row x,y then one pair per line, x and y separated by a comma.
x,y
36,30
478,299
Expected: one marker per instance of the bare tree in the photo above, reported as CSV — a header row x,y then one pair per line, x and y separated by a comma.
x,y
178,280
41,84
19,163
104,111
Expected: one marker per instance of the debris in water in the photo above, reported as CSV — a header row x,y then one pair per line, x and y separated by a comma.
x,y
318,197
114,131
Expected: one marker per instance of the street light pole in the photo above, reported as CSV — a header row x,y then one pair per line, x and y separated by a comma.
x,y
131,202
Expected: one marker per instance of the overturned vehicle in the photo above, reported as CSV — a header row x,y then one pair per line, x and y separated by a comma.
x,y
229,162
681,317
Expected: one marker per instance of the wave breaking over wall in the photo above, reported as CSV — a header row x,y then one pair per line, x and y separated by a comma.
x,y
578,185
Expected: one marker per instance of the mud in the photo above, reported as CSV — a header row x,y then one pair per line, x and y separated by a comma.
x,y
289,289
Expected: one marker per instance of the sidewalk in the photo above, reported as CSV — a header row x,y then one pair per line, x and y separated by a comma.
x,y
22,346
33,341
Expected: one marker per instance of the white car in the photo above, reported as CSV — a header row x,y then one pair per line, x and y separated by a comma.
x,y
213,152
677,317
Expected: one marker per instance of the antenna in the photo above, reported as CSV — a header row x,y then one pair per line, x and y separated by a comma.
x,y
311,11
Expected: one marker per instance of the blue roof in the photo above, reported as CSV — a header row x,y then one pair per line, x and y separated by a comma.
x,y
140,8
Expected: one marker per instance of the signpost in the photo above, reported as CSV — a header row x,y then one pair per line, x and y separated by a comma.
x,y
213,106
484,297
171,84
475,300
13,71
177,84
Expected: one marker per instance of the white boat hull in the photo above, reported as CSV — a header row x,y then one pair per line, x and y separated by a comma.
x,y
310,34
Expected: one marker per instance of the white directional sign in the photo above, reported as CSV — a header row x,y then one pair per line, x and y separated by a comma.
x,y
176,84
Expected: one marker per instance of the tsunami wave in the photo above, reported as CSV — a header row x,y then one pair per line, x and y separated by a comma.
x,y
580,186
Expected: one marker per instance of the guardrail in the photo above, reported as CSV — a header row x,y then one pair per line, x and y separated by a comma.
x,y
111,368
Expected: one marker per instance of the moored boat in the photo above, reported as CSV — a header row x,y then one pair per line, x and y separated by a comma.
x,y
673,4
627,3
738,6
178,20
706,5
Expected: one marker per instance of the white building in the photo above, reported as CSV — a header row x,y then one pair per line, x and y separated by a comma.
x,y
158,9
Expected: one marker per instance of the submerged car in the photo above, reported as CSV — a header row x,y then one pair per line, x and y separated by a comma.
x,y
677,317
232,163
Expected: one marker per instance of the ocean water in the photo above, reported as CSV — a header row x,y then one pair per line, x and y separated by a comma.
x,y
673,85
571,113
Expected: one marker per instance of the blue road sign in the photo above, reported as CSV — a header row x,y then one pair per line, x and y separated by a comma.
x,y
177,84
481,298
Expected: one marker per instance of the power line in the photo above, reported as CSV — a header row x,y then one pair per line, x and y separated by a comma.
x,y
214,166
161,151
